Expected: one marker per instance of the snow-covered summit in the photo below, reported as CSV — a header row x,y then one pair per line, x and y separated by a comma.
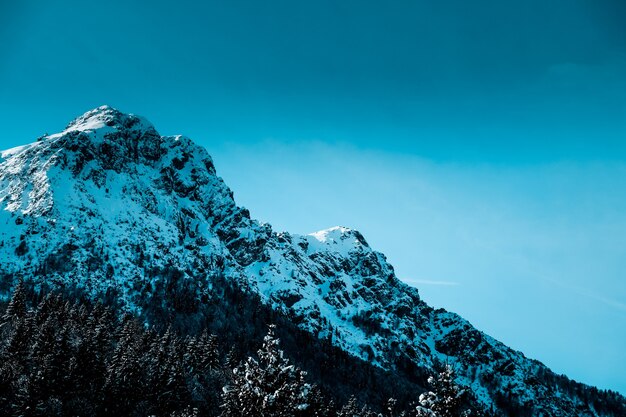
x,y
337,239
112,208
106,115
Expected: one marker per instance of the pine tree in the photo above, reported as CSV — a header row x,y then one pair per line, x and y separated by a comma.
x,y
423,412
446,397
208,352
201,359
187,412
123,383
176,393
350,409
16,308
319,405
353,409
269,386
390,408
44,371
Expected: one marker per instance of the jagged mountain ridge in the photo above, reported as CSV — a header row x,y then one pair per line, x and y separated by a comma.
x,y
109,205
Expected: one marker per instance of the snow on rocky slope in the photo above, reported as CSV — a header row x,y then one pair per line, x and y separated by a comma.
x,y
107,202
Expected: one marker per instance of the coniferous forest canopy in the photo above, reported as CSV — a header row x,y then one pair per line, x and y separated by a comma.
x,y
66,356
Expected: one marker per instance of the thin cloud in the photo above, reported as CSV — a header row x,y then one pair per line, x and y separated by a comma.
x,y
588,293
431,282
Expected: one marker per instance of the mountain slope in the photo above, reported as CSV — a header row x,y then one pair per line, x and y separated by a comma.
x,y
112,208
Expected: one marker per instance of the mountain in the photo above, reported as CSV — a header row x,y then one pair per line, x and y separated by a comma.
x,y
111,209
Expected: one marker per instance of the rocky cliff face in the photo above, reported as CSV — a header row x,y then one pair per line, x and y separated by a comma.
x,y
111,207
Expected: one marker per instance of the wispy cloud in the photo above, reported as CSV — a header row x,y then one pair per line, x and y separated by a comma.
x,y
605,300
588,293
430,282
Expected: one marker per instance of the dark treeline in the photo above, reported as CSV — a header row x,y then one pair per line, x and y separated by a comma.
x,y
227,308
59,358
61,354
239,318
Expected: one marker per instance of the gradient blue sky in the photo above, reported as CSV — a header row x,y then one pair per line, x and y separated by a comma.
x,y
480,145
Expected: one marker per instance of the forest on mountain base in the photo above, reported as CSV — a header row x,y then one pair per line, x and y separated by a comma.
x,y
61,354
62,358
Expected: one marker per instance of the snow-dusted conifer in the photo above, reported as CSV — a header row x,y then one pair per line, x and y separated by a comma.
x,y
267,386
17,305
350,409
445,399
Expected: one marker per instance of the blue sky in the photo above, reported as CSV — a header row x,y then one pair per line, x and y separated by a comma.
x,y
479,145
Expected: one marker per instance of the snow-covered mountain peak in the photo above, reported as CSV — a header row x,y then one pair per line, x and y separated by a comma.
x,y
337,239
331,234
107,116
